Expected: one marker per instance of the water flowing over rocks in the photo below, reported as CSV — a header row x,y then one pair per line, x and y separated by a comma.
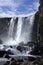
x,y
21,39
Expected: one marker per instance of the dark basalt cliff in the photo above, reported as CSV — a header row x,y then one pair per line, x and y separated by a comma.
x,y
40,23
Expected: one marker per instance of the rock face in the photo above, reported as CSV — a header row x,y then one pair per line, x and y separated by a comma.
x,y
41,7
40,23
34,32
4,24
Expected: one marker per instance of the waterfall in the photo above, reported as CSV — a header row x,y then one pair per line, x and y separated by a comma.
x,y
31,26
10,40
10,32
23,30
19,28
27,29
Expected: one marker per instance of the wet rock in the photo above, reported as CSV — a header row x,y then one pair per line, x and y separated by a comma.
x,y
1,42
19,48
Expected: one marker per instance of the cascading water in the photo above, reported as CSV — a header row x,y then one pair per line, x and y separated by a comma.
x,y
23,30
19,28
10,32
27,29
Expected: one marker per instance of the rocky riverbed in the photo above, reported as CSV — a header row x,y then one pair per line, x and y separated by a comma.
x,y
18,55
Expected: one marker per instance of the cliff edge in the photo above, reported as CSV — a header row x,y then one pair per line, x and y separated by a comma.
x,y
40,22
